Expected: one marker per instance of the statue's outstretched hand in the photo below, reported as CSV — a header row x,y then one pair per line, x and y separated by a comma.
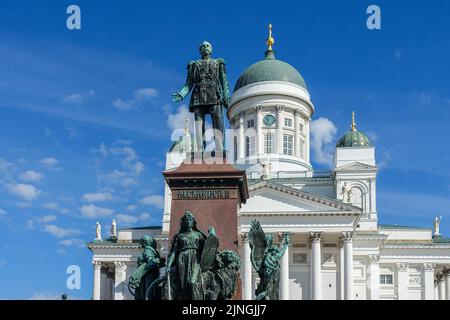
x,y
177,97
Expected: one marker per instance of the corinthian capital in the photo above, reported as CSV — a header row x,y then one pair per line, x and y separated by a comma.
x,y
347,236
97,265
315,236
283,237
120,265
403,266
429,266
244,236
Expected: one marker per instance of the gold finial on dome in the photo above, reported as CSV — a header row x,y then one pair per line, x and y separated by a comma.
x,y
353,121
270,41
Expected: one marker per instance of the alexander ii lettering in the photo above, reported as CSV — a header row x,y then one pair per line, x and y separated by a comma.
x,y
203,194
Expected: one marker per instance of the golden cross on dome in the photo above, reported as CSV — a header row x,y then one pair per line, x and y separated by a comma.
x,y
270,40
353,121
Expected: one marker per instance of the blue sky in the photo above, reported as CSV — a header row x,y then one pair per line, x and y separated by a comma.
x,y
86,117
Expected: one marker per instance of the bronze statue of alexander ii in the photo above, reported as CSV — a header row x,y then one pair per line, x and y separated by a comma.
x,y
210,95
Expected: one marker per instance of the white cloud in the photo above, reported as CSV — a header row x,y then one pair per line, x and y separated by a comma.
x,y
129,160
61,252
3,213
60,232
119,177
73,242
49,162
77,98
323,133
131,207
46,219
51,205
144,216
73,133
6,169
138,168
29,225
423,97
128,219
31,176
92,211
139,96
153,200
177,122
145,93
98,197
24,191
398,54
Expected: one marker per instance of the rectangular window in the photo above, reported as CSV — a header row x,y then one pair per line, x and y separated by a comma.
x,y
386,279
268,142
249,146
288,144
302,149
288,122
251,123
302,128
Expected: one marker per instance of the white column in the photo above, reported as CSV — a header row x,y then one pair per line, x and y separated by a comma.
x,y
259,135
436,290
348,265
307,141
241,137
402,281
279,136
442,287
97,280
284,270
297,133
341,270
428,279
120,278
374,270
247,269
109,283
316,266
103,285
447,283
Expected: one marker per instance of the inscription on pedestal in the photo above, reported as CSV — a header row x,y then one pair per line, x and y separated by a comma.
x,y
203,194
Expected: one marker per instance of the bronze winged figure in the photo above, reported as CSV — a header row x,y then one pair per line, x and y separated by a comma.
x,y
265,258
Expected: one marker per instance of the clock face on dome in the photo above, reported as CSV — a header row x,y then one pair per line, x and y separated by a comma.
x,y
269,120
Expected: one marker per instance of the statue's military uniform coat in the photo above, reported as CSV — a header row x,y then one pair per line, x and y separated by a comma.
x,y
207,79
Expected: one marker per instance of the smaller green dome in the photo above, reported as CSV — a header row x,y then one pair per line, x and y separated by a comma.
x,y
353,139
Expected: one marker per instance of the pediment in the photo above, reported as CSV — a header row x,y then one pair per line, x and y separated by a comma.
x,y
270,197
356,166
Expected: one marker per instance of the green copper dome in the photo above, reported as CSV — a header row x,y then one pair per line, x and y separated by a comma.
x,y
353,139
270,69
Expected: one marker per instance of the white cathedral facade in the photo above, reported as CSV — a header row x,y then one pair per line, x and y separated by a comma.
x,y
338,250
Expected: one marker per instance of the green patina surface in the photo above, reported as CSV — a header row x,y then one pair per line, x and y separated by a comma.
x,y
270,69
353,139
441,240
